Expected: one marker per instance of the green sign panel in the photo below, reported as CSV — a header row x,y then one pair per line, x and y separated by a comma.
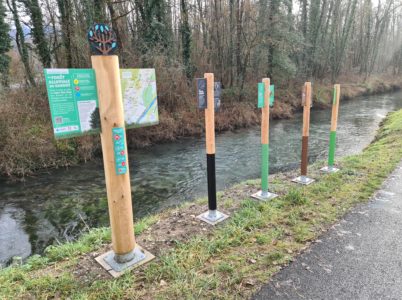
x,y
119,146
261,95
73,100
272,95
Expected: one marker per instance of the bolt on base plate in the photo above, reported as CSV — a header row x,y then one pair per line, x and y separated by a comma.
x,y
303,180
212,217
328,169
108,261
264,196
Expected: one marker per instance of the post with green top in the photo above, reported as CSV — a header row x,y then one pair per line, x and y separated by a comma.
x,y
332,136
265,100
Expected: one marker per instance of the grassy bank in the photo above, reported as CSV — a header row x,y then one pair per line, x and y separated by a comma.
x,y
232,260
28,143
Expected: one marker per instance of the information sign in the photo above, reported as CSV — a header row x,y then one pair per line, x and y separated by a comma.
x,y
139,97
73,101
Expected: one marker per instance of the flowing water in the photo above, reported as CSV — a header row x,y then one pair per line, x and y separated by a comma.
x,y
57,205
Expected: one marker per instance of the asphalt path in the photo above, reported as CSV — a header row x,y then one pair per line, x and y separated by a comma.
x,y
358,258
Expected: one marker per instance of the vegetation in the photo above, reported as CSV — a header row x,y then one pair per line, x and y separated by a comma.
x,y
5,46
226,262
241,41
26,129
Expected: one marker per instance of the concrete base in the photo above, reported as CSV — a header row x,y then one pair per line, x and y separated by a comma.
x,y
329,169
264,196
212,217
116,269
303,180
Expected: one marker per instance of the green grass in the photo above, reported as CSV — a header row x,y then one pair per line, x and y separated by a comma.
x,y
238,256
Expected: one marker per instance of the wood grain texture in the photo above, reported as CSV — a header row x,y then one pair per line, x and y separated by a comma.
x,y
118,186
335,107
265,113
304,156
306,109
210,115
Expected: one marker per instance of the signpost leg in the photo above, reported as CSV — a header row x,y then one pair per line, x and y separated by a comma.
x,y
332,136
125,252
303,179
212,216
264,194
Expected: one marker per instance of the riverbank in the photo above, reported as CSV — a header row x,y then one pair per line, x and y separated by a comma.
x,y
229,261
26,128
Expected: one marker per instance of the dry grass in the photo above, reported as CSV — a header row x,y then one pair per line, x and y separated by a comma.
x,y
26,130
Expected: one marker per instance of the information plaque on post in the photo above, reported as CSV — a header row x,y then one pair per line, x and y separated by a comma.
x,y
73,101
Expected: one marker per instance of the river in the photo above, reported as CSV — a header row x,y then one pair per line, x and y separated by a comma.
x,y
55,206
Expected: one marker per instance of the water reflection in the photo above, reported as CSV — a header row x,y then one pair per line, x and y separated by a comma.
x,y
57,205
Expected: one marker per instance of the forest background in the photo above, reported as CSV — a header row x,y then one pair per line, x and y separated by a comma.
x,y
357,43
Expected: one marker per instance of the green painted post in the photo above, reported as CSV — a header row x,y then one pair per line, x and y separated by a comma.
x,y
332,142
264,167
265,100
332,135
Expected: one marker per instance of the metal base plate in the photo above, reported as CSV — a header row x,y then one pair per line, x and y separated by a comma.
x,y
264,196
303,180
107,261
329,169
212,217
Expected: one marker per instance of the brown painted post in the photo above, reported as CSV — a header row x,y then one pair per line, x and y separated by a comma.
x,y
118,186
306,127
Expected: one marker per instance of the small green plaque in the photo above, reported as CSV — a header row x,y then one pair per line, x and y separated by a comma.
x,y
119,147
260,95
73,101
272,95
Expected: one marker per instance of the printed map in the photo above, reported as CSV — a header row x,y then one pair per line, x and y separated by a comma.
x,y
139,97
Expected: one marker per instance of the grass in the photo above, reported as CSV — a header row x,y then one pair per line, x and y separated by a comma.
x,y
234,259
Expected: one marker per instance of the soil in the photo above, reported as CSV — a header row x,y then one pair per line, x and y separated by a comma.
x,y
177,225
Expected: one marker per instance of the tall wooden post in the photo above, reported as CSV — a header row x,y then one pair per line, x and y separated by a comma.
x,y
212,216
332,136
126,254
264,194
306,102
118,186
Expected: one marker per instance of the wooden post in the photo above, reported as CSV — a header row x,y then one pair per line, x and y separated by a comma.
x,y
264,194
212,216
118,186
306,128
210,141
125,254
332,136
334,122
306,102
265,137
